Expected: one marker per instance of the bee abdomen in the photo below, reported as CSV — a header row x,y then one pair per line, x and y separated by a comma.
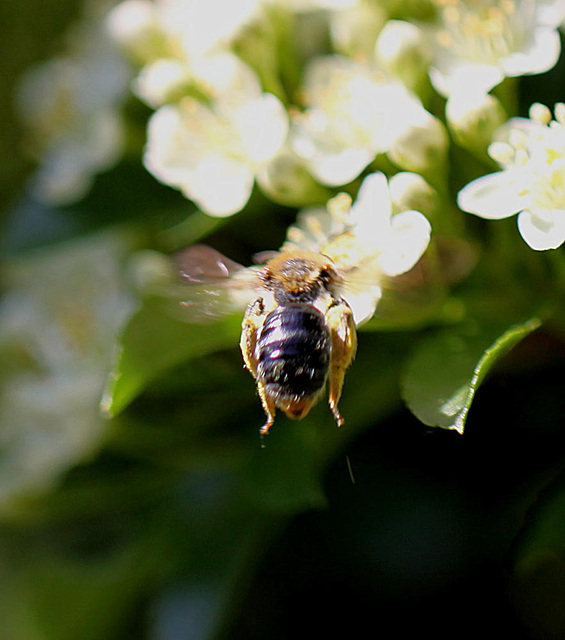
x,y
293,351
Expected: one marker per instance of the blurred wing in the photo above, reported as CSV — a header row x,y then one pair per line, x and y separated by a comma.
x,y
208,286
362,288
199,264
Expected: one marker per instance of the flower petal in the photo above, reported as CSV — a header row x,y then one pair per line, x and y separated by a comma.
x,y
373,208
494,196
539,56
453,75
409,238
335,169
220,186
363,303
262,125
542,234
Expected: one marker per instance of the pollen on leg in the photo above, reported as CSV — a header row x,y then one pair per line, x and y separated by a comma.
x,y
337,415
264,430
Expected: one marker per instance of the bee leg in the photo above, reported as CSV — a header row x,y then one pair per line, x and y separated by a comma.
x,y
344,345
269,408
249,327
252,322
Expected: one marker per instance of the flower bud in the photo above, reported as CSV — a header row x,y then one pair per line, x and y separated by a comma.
x,y
165,80
134,25
285,180
409,191
472,118
354,30
402,52
422,148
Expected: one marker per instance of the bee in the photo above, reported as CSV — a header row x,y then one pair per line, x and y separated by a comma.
x,y
298,333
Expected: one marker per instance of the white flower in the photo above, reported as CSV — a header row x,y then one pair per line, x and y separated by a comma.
x,y
477,43
531,183
182,28
70,108
177,43
212,151
353,113
312,5
398,241
212,77
366,238
59,318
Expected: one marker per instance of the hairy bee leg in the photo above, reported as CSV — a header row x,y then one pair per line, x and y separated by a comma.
x,y
268,407
249,327
252,321
344,345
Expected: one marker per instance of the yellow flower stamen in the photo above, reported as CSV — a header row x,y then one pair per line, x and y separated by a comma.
x,y
339,206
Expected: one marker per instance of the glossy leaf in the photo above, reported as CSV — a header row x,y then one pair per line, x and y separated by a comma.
x,y
153,343
447,369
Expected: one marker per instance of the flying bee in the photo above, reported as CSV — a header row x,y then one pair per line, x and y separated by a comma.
x,y
298,333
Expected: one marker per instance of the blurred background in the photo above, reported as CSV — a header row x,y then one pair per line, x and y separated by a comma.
x,y
168,521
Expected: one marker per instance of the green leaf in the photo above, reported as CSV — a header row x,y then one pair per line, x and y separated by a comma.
x,y
447,369
153,343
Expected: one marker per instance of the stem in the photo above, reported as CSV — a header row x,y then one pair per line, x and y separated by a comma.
x,y
507,93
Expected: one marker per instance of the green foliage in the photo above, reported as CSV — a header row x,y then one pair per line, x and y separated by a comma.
x,y
153,343
448,367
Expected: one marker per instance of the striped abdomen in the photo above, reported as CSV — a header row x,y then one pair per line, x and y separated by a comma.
x,y
293,351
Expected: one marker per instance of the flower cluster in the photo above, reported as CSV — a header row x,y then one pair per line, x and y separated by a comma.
x,y
475,44
213,127
216,131
300,98
531,183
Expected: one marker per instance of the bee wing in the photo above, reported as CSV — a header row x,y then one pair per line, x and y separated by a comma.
x,y
362,287
207,286
200,264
